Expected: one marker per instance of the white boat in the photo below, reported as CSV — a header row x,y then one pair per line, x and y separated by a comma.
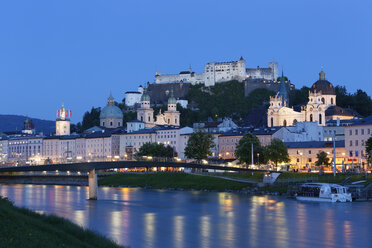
x,y
323,192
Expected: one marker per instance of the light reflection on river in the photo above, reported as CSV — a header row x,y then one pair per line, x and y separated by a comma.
x,y
159,218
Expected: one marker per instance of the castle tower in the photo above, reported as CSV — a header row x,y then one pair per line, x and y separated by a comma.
x,y
146,113
274,69
172,116
111,116
63,121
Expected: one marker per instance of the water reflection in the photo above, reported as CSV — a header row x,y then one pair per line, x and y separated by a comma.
x,y
151,218
149,229
347,233
205,228
179,231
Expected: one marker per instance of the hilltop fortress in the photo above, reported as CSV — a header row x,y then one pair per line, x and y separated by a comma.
x,y
217,72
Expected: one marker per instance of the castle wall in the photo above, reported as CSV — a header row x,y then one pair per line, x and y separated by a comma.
x,y
131,98
216,72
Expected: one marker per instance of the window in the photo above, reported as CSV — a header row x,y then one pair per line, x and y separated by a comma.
x,y
311,117
351,143
356,153
309,160
320,119
111,123
309,151
272,122
350,132
356,131
332,101
369,131
356,143
285,123
351,153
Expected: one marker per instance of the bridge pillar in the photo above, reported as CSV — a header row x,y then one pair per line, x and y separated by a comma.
x,y
92,179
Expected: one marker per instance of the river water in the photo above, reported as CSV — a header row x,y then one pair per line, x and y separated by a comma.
x,y
160,218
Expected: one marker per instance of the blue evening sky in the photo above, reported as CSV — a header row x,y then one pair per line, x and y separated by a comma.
x,y
77,51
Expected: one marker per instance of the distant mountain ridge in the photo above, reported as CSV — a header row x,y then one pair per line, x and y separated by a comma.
x,y
9,123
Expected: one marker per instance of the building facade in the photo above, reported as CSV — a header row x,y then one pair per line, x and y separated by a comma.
x,y
25,149
321,96
356,136
303,155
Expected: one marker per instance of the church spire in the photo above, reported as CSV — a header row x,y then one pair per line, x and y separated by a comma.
x,y
283,91
110,100
321,74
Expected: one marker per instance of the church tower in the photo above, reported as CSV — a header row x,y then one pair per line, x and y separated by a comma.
x,y
28,126
172,116
283,92
146,113
63,121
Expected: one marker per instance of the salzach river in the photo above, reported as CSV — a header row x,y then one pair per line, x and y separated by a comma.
x,y
159,218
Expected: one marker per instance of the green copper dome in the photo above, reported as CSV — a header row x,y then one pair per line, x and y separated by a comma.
x,y
145,96
111,111
172,99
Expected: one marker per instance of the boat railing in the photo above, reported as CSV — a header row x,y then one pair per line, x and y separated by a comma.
x,y
308,194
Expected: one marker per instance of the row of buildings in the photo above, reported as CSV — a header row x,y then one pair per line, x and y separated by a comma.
x,y
306,132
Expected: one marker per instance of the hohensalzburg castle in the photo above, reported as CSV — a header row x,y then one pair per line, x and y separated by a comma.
x,y
216,72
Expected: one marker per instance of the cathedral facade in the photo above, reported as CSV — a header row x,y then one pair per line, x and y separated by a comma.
x,y
321,97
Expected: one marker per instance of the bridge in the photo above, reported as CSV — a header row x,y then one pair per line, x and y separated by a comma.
x,y
91,167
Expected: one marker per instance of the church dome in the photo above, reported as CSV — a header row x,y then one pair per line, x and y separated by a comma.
x,y
323,85
145,96
111,112
172,99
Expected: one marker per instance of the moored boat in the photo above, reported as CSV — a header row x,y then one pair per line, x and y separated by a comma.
x,y
323,192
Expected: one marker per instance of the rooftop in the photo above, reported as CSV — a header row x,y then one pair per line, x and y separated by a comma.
x,y
315,144
364,121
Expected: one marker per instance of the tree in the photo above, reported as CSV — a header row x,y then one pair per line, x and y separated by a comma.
x,y
369,148
243,150
322,159
300,96
155,150
91,118
199,145
276,152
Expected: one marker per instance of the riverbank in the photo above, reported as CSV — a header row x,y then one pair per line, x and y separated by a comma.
x,y
245,183
21,227
181,181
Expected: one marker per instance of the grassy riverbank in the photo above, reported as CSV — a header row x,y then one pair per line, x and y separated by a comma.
x,y
215,182
171,180
21,227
